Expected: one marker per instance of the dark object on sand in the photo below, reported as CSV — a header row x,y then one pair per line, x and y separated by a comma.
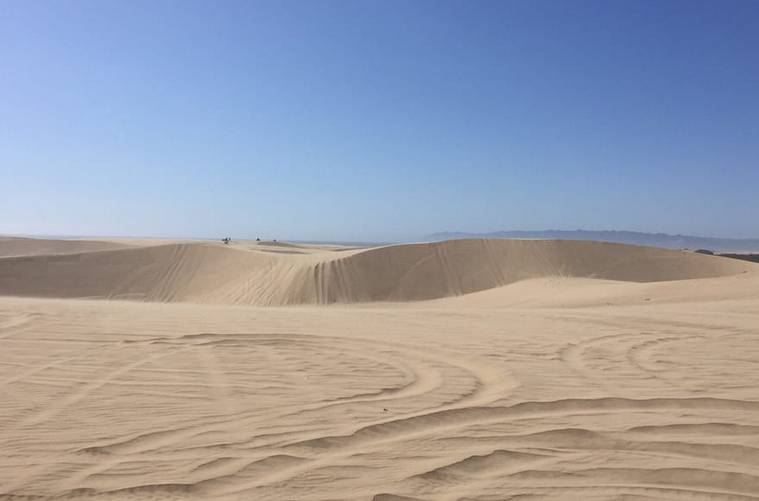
x,y
754,258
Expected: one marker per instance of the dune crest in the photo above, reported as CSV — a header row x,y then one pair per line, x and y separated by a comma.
x,y
21,246
210,273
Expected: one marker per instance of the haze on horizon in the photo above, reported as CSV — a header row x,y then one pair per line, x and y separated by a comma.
x,y
378,121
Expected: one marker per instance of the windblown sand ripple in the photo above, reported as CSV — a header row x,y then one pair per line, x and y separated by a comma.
x,y
558,387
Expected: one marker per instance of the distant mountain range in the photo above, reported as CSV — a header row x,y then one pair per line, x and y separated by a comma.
x,y
622,237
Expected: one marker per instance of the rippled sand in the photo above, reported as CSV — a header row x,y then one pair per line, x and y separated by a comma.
x,y
119,400
547,388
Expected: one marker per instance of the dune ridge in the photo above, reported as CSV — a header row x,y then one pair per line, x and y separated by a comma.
x,y
23,246
206,272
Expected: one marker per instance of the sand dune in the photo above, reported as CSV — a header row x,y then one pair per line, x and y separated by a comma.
x,y
203,272
155,273
19,246
453,268
541,370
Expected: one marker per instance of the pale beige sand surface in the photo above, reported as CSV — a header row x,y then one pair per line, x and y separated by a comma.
x,y
571,371
21,246
256,274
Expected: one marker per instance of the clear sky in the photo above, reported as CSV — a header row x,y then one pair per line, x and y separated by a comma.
x,y
378,120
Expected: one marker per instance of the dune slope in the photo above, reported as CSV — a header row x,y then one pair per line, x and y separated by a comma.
x,y
211,273
435,270
20,246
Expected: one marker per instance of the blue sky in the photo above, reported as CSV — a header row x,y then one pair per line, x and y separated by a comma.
x,y
381,120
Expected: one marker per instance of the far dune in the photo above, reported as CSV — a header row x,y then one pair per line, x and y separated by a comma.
x,y
21,246
214,273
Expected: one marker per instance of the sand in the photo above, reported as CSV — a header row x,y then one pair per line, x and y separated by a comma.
x,y
277,274
471,369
